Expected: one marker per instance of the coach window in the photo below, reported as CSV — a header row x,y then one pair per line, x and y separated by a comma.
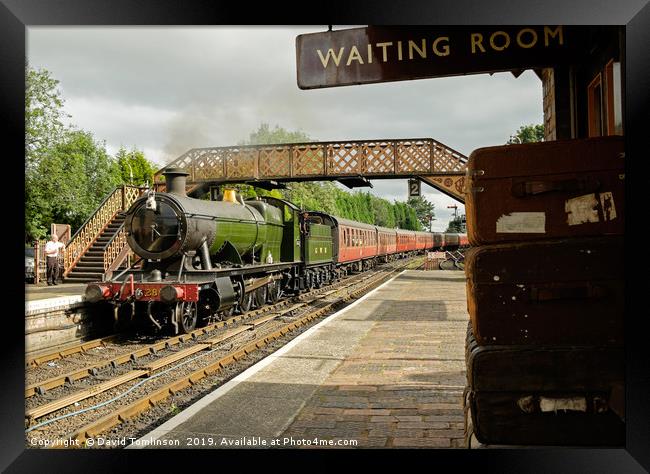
x,y
595,107
612,92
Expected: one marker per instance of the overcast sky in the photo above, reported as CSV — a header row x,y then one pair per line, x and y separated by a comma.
x,y
166,90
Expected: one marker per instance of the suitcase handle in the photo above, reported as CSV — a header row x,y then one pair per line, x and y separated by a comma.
x,y
531,188
541,293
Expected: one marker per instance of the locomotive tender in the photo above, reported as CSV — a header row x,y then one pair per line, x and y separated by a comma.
x,y
203,260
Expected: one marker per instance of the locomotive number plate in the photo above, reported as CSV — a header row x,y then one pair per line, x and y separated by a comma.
x,y
151,292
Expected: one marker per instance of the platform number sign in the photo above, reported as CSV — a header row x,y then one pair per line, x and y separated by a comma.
x,y
414,187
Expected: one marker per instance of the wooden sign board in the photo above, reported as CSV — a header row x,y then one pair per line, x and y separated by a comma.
x,y
435,255
398,53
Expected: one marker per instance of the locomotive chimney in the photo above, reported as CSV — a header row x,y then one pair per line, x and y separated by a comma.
x,y
175,179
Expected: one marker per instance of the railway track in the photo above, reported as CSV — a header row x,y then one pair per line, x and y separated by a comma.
x,y
203,354
37,384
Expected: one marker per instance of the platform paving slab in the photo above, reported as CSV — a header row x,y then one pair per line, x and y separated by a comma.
x,y
387,371
43,292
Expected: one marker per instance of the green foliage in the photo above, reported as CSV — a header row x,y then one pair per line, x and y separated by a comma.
x,y
358,206
68,183
265,136
527,134
456,225
424,210
44,114
134,167
67,172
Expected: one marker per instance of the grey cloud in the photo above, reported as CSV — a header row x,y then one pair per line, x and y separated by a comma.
x,y
166,90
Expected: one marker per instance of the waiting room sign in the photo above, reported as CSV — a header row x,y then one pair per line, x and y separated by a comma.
x,y
381,54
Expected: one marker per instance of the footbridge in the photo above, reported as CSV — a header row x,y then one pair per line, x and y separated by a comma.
x,y
353,163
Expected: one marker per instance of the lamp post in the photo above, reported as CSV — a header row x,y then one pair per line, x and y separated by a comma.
x,y
130,171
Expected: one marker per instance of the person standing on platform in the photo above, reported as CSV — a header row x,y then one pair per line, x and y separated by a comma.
x,y
52,253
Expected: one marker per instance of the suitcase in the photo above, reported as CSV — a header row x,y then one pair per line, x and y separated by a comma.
x,y
545,418
543,368
567,291
546,190
543,396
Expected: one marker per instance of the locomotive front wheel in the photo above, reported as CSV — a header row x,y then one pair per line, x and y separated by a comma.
x,y
186,315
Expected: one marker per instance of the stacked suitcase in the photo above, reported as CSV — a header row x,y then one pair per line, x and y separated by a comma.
x,y
545,359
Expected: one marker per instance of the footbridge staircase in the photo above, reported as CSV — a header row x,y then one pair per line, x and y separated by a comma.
x,y
99,247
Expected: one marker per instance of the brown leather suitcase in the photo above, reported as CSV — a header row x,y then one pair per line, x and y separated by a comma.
x,y
553,395
568,418
546,190
568,291
543,368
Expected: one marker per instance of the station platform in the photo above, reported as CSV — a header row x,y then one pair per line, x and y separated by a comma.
x,y
42,291
386,371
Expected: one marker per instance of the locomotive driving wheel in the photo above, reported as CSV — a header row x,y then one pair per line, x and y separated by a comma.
x,y
186,315
246,302
274,291
260,296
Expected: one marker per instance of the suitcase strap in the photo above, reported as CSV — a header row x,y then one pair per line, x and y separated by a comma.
x,y
558,291
532,188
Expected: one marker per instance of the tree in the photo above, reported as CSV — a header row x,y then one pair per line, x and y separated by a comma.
x,y
424,210
527,134
67,171
134,167
265,136
455,225
384,215
68,183
44,115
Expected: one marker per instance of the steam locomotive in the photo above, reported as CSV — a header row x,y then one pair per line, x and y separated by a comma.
x,y
204,260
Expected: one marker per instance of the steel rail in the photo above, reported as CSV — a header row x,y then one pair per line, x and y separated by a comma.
x,y
36,361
